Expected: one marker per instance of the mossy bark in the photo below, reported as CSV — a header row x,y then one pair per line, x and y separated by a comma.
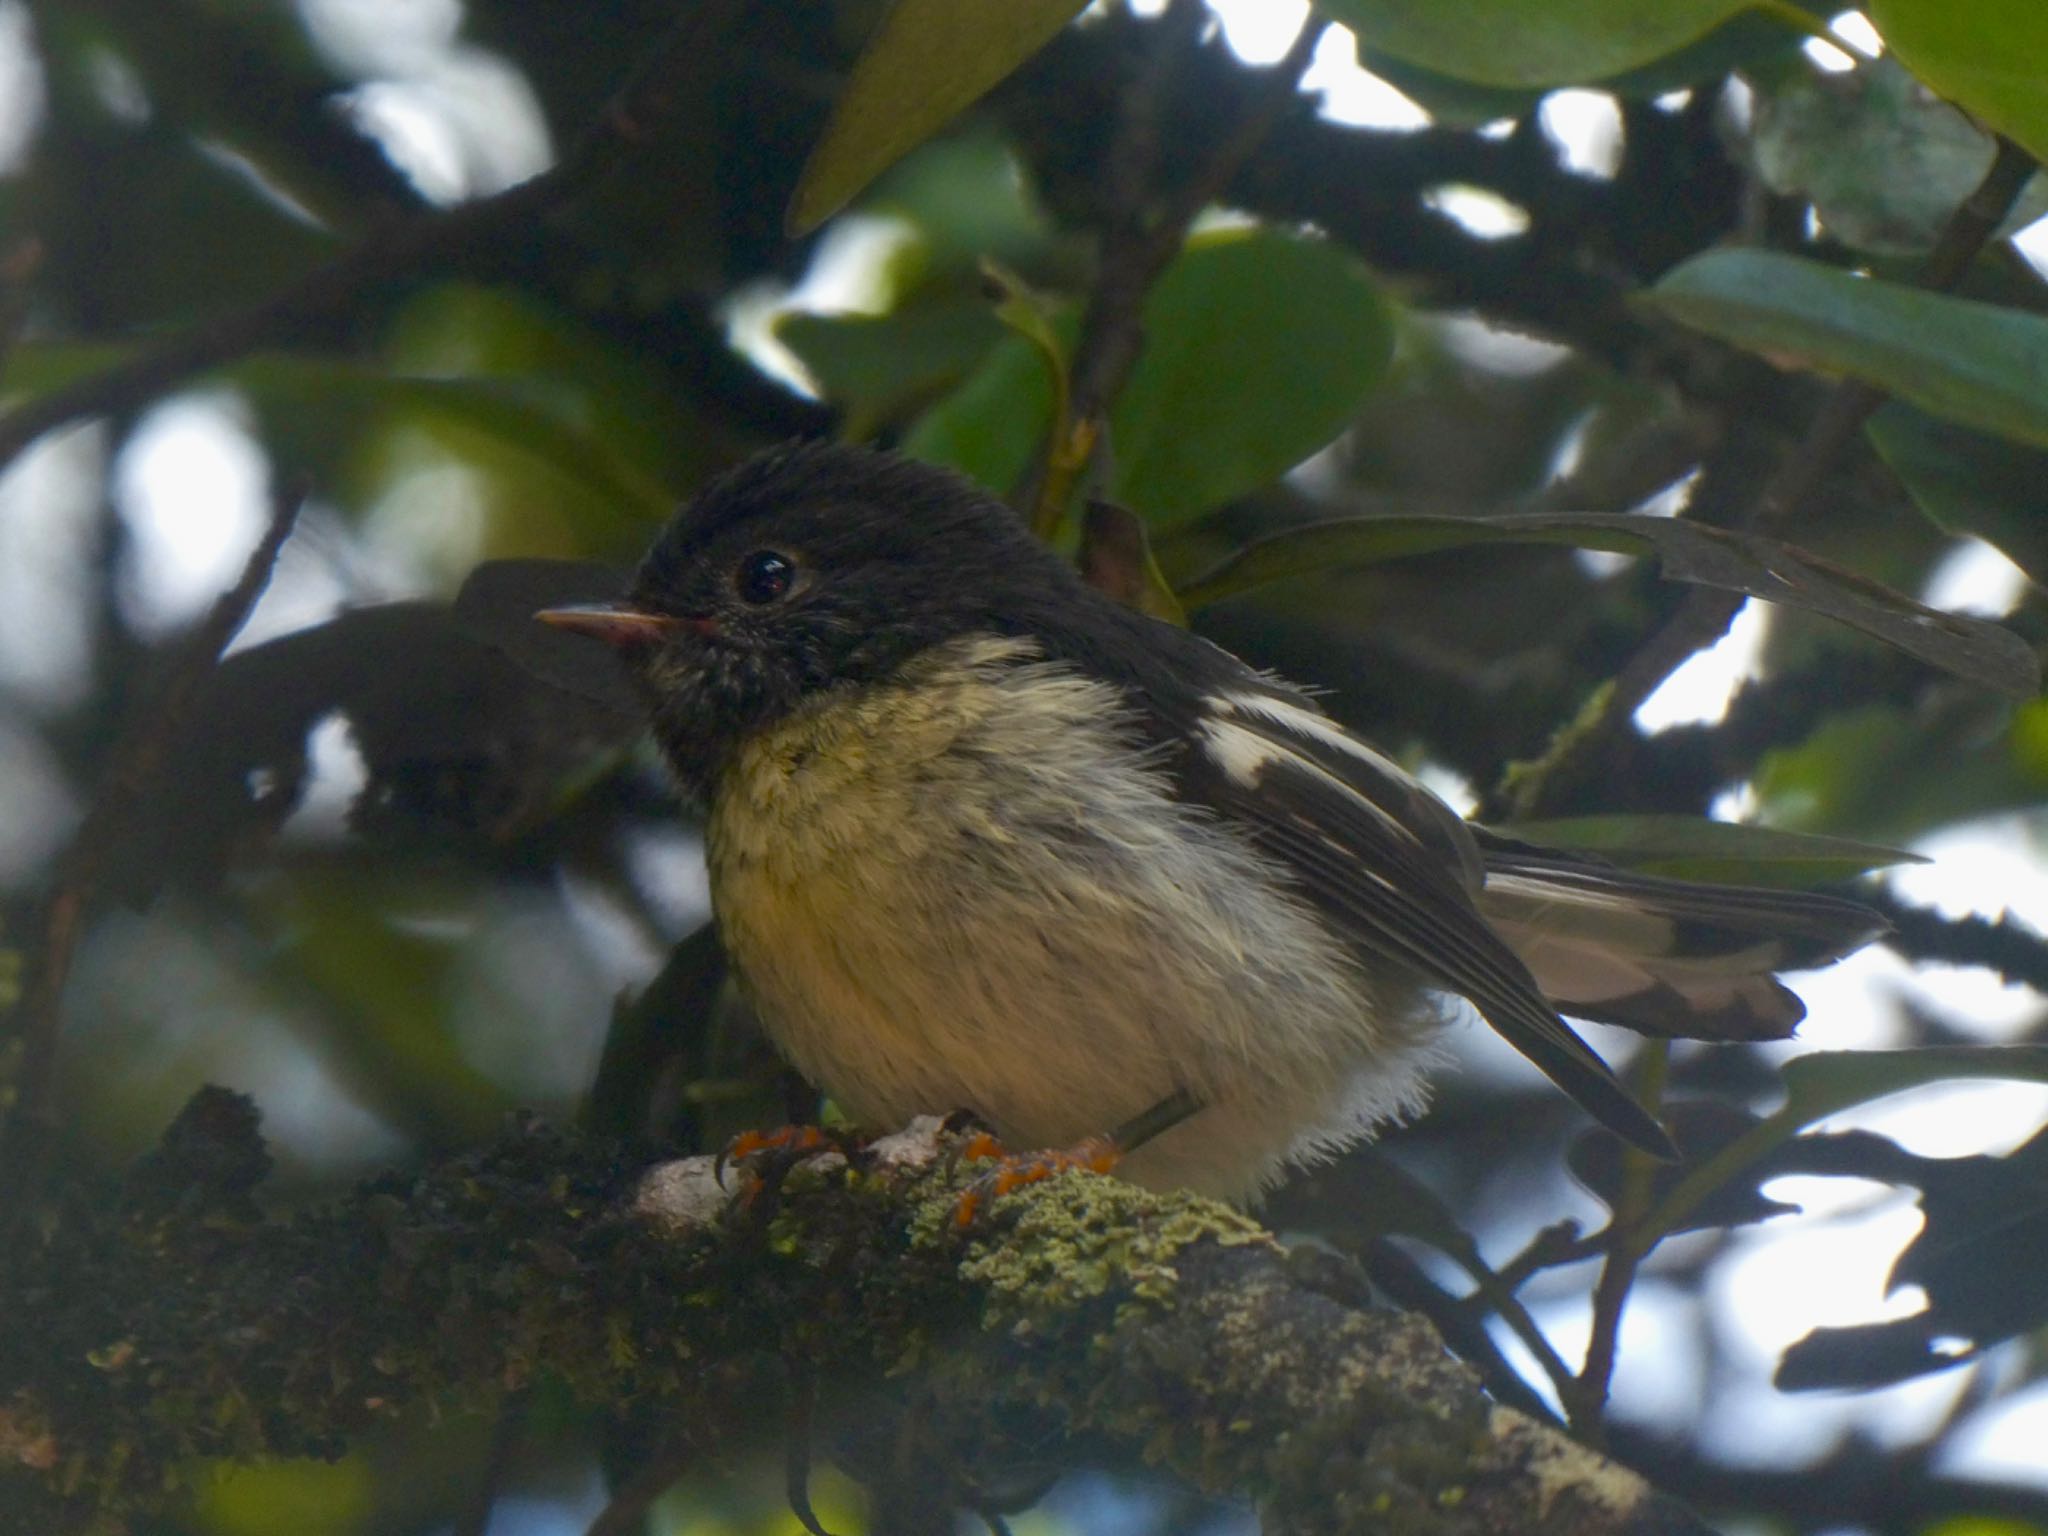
x,y
169,1318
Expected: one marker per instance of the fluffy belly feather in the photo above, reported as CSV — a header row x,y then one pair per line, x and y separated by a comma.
x,y
962,891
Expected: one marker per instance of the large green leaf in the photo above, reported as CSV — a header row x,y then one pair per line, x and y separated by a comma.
x,y
1686,551
1693,848
1975,363
927,61
1540,42
1968,483
1985,55
1260,346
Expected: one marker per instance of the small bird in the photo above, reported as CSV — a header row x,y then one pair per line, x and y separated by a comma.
x,y
982,839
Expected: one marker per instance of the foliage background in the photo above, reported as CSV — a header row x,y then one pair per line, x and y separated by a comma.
x,y
407,868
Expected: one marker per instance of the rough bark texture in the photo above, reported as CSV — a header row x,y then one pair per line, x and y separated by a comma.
x,y
170,1318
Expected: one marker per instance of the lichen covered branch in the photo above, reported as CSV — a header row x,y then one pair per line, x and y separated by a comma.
x,y
171,1318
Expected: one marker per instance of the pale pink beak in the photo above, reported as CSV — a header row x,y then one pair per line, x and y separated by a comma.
x,y
619,625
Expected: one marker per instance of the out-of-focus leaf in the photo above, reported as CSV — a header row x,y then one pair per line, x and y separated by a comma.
x,y
880,366
1969,483
1538,42
1685,551
990,426
1116,558
521,419
453,732
1884,162
1694,848
1307,336
1259,347
1980,364
927,61
1984,1218
1823,1083
497,605
1898,773
1984,55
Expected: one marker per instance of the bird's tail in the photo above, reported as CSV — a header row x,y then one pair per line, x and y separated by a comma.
x,y
1672,958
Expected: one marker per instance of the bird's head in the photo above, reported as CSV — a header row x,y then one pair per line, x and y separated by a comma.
x,y
811,567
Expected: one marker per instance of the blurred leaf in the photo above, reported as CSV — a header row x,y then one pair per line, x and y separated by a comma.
x,y
990,426
525,421
1983,1219
1693,848
1823,1083
315,1498
1976,363
927,60
1308,337
1260,346
879,367
1538,42
1970,484
1896,773
1884,162
1984,55
1685,551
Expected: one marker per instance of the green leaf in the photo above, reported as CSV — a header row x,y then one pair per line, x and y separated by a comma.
x,y
1693,848
1884,163
1970,484
880,366
1307,336
1260,347
927,61
1824,1083
1686,551
1984,55
1980,364
1540,42
990,426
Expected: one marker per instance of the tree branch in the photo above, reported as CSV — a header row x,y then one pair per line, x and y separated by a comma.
x,y
172,1319
403,248
1703,616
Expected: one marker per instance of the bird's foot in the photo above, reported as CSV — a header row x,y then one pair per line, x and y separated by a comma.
x,y
769,1157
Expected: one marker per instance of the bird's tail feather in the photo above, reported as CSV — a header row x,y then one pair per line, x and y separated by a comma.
x,y
1671,958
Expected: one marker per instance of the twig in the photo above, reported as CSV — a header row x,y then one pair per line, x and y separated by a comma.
x,y
1703,616
400,248
17,270
131,774
475,1519
1137,249
2011,948
630,1503
1586,1401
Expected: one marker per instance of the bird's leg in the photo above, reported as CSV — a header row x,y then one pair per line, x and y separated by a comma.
x,y
1096,1154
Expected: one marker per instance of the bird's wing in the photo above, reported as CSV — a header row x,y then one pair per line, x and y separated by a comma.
x,y
1391,864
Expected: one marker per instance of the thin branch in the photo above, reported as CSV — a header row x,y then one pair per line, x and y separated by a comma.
x,y
1136,248
630,1501
2014,950
1586,1401
475,1519
131,774
403,248
1703,616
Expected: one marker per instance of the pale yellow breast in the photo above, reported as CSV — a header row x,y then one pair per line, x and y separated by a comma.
x,y
972,889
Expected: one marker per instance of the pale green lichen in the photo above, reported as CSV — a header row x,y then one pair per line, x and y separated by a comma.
x,y
1078,1238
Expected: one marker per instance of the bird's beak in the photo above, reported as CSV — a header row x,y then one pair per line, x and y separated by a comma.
x,y
619,625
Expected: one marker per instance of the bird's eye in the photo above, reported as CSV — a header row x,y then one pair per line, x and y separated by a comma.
x,y
765,576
